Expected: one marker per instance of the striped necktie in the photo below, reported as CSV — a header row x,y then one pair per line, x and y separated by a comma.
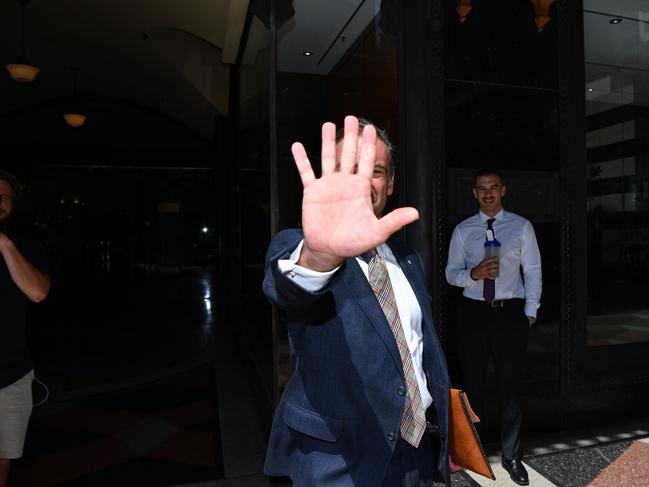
x,y
413,421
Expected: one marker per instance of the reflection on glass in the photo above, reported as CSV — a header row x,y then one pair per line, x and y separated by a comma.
x,y
253,193
352,69
617,120
501,109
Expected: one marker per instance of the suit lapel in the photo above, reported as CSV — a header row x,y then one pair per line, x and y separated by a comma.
x,y
362,291
407,261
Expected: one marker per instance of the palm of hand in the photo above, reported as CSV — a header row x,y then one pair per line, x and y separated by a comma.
x,y
337,215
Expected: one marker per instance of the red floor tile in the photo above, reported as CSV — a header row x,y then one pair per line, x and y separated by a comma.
x,y
91,419
188,414
192,447
71,463
631,469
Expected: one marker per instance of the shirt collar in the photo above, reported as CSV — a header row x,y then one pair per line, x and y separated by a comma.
x,y
385,252
499,216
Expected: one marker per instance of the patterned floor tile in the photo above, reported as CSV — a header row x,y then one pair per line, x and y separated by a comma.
x,y
150,399
189,414
158,434
190,447
144,472
631,468
70,463
45,440
579,466
147,434
92,419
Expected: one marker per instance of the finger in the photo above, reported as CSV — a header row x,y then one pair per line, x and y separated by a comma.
x,y
396,220
303,164
328,148
350,145
367,158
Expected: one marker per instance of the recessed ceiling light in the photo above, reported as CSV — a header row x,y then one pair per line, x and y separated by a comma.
x,y
615,21
307,53
590,89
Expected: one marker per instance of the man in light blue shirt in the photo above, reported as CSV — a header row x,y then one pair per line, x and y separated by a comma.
x,y
501,298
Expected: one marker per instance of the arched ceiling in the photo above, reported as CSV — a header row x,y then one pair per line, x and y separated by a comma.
x,y
167,55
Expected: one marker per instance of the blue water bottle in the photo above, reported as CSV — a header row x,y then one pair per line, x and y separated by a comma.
x,y
492,249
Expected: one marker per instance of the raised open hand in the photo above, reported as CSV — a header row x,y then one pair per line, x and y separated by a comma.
x,y
338,215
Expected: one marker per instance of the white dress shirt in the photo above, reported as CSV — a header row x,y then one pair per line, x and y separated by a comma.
x,y
518,251
407,304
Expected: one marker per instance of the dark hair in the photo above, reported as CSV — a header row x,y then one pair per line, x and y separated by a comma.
x,y
488,171
380,133
16,188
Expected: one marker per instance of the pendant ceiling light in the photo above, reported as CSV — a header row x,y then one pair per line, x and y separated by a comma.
x,y
71,118
541,13
463,8
21,70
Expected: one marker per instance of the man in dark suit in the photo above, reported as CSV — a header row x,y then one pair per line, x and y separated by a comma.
x,y
367,404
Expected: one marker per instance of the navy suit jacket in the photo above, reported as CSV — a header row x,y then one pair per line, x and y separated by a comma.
x,y
337,422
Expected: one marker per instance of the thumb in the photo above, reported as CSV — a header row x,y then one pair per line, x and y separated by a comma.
x,y
395,220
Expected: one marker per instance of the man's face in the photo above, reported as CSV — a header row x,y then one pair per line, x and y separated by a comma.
x,y
6,201
382,180
489,191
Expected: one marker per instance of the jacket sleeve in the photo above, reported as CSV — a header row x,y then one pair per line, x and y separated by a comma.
x,y
279,288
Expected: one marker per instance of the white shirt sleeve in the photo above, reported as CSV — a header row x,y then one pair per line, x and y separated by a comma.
x,y
531,264
456,272
307,279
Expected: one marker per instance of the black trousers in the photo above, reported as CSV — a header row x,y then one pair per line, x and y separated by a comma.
x,y
500,334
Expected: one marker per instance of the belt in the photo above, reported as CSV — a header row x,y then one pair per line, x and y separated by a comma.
x,y
496,303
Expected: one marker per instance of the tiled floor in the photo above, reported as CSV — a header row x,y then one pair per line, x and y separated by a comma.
x,y
160,434
127,413
179,431
598,458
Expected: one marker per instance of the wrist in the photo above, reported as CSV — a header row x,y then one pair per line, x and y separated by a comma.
x,y
471,274
4,242
318,261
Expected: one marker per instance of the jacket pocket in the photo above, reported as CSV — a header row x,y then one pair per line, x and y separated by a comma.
x,y
311,423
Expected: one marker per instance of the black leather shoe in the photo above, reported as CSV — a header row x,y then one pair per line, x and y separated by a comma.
x,y
516,470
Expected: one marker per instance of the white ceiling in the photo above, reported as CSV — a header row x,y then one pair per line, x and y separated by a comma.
x,y
326,29
617,55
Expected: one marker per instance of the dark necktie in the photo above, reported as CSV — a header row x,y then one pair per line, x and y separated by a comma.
x,y
489,285
413,420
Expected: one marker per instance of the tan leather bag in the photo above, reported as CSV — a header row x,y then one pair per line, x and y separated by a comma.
x,y
465,446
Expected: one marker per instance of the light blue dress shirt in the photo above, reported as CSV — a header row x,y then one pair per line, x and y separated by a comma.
x,y
520,259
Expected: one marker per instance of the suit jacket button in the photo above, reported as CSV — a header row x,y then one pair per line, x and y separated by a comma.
x,y
401,391
392,436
